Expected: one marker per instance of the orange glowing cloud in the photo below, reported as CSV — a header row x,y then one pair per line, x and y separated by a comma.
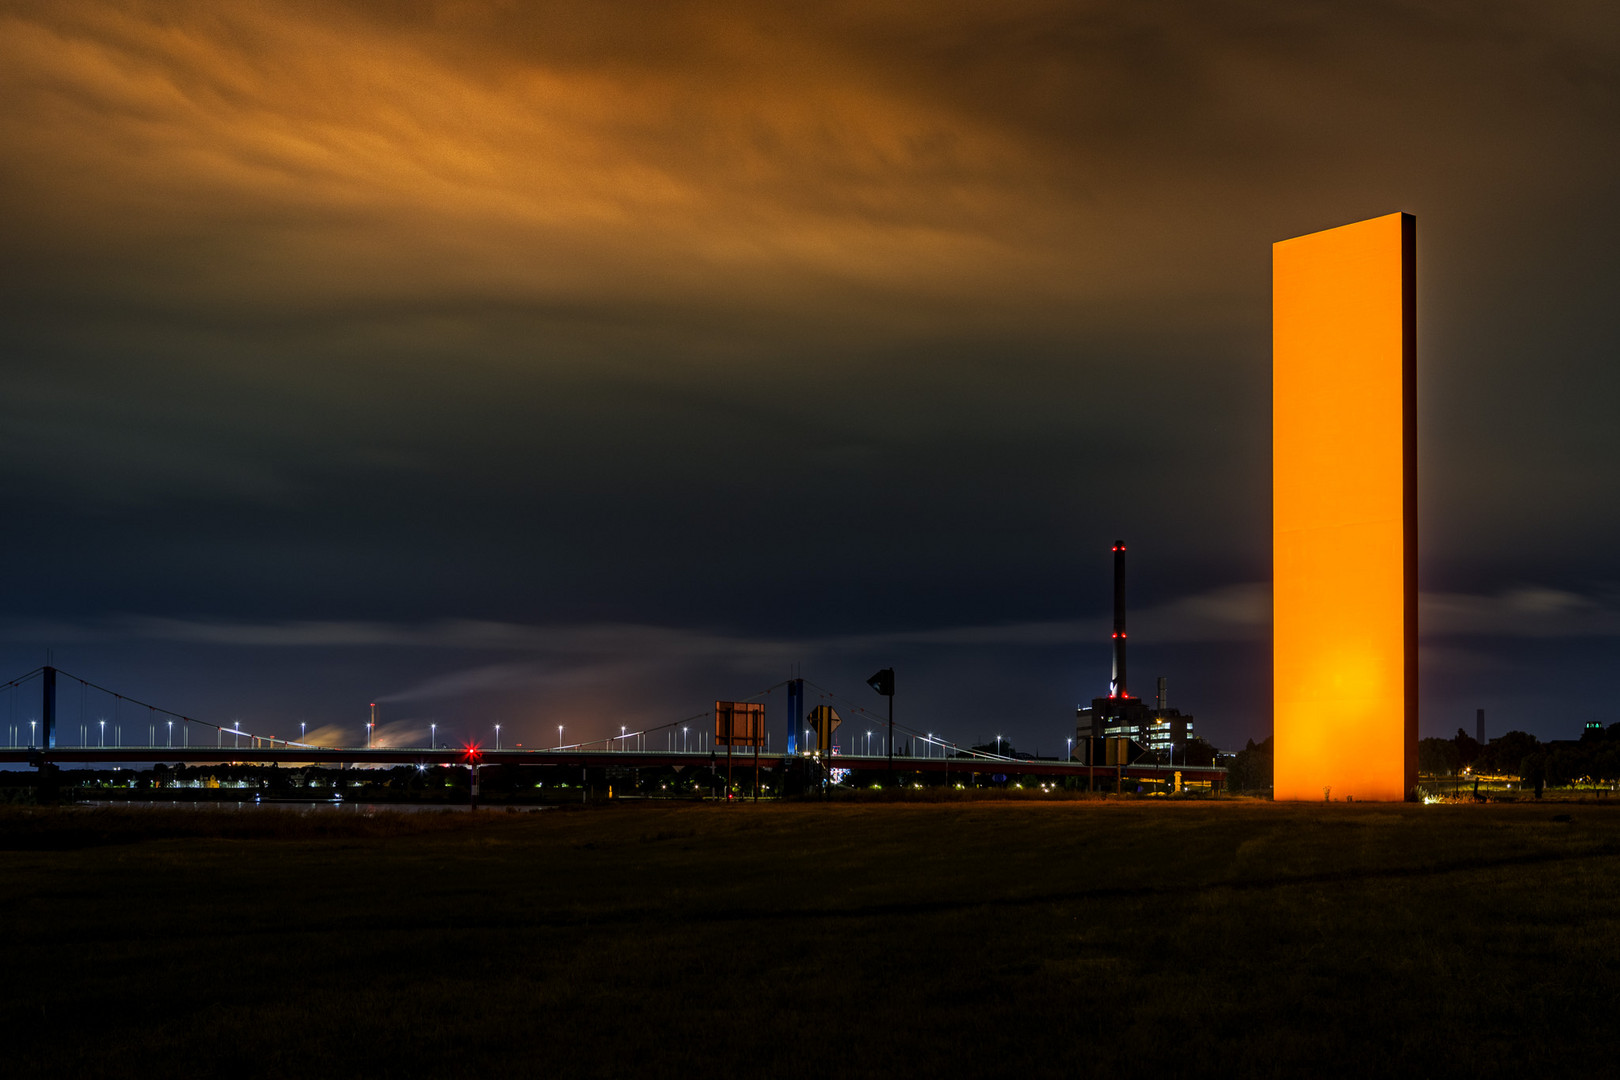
x,y
902,165
306,152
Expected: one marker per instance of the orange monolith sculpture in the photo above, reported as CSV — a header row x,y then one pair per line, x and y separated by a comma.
x,y
1344,521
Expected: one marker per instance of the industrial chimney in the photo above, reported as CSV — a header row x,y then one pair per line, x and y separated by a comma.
x,y
1116,685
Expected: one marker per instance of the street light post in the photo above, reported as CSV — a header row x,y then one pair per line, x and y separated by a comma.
x,y
497,736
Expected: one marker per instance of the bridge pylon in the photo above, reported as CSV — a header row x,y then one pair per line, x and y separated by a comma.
x,y
47,711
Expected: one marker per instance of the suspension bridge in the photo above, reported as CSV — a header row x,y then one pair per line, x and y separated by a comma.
x,y
39,737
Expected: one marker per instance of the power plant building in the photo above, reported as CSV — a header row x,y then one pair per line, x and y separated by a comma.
x,y
1154,729
1119,728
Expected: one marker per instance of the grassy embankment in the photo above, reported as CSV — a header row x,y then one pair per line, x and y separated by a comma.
x,y
1225,938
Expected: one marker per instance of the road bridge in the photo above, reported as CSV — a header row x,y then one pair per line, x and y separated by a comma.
x,y
167,743
379,757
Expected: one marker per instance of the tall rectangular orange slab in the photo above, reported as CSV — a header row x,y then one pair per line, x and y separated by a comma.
x,y
1344,523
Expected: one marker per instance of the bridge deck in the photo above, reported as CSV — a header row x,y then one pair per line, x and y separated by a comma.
x,y
590,759
248,748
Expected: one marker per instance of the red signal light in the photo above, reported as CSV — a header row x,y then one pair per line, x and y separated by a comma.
x,y
472,751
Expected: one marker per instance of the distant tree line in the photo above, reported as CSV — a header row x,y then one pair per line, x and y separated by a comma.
x,y
1250,770
1595,756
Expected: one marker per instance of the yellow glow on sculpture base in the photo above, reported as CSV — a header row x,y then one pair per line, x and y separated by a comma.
x,y
1343,528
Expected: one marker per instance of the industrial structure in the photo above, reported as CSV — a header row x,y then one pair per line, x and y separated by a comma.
x,y
1119,729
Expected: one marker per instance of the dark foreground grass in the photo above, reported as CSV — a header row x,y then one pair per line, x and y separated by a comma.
x,y
1231,939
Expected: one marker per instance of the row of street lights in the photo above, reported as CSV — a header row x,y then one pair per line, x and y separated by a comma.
x,y
433,728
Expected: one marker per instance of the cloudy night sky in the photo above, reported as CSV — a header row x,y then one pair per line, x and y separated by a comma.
x,y
582,364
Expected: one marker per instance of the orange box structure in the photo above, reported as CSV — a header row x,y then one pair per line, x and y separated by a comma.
x,y
1344,521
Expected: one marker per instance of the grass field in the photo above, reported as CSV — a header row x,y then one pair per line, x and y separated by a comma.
x,y
1118,938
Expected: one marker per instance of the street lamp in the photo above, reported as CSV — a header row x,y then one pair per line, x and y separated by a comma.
x,y
685,742
559,736
104,733
171,734
621,736
31,724
497,736
433,736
